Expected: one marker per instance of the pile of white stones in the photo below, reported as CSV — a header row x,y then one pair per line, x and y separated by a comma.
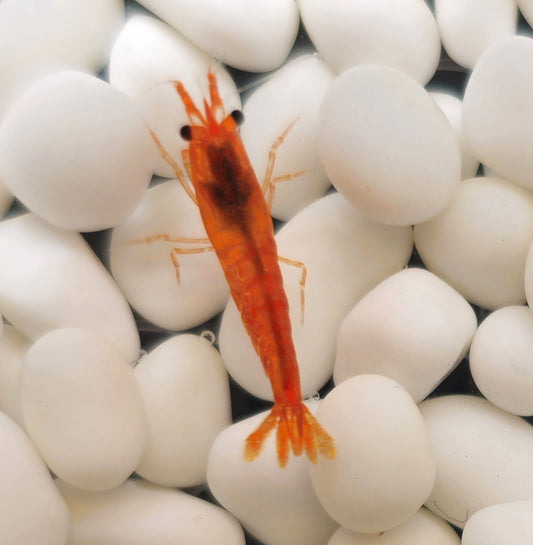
x,y
80,413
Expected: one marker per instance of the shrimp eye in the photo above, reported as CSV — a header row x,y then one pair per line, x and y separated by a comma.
x,y
238,117
185,133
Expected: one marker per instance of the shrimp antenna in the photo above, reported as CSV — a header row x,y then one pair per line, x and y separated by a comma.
x,y
193,113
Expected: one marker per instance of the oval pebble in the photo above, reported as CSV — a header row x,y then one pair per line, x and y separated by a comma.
x,y
501,524
400,35
13,348
452,107
498,109
82,408
387,147
484,456
246,34
469,27
526,9
137,513
293,94
185,391
479,243
149,261
146,57
412,327
40,38
31,508
87,145
6,197
422,528
345,255
384,466
277,506
50,279
501,359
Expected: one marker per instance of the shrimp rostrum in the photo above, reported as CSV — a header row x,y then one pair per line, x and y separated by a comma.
x,y
238,223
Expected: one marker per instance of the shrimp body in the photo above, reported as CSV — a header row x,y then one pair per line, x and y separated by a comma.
x,y
238,223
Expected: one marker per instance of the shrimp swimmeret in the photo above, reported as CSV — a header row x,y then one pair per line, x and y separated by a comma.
x,y
238,223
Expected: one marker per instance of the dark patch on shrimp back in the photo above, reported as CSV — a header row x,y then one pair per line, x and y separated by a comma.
x,y
229,188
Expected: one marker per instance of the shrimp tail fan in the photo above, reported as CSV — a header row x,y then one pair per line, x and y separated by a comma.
x,y
296,430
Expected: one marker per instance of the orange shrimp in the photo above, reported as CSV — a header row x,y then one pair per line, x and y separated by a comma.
x,y
238,223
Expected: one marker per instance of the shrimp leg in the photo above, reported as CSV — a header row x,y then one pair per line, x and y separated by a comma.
x,y
269,182
178,250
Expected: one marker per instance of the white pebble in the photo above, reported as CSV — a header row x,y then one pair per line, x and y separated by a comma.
x,y
146,271
86,144
138,513
498,109
50,278
82,408
248,35
185,392
31,509
147,56
452,108
501,359
412,327
528,276
479,243
401,35
502,524
484,456
13,348
292,94
423,528
469,27
387,147
526,8
277,506
345,255
384,466
6,197
39,38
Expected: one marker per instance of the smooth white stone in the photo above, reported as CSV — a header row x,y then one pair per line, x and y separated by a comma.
x,y
186,398
528,276
469,27
479,243
490,172
85,143
501,359
145,271
83,408
423,528
277,506
38,38
138,513
452,108
32,510
50,278
345,255
484,456
6,197
147,56
498,109
401,35
412,327
501,524
13,348
526,8
384,465
292,94
387,147
246,34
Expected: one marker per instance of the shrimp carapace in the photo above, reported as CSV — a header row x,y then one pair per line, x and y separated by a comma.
x,y
237,220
